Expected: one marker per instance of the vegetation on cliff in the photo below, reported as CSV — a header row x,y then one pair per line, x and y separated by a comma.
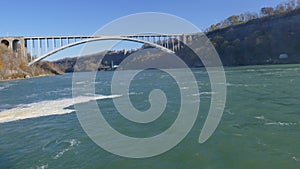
x,y
281,8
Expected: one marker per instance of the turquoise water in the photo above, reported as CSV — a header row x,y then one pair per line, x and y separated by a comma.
x,y
259,128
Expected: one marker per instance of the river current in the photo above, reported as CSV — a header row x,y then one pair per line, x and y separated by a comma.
x,y
259,127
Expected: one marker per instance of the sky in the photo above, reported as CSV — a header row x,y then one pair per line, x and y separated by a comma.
x,y
85,17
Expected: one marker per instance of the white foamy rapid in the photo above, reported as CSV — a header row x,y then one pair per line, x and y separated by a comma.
x,y
46,108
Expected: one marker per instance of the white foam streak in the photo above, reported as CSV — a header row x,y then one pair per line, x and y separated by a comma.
x,y
260,117
42,167
296,159
280,124
46,108
204,93
6,86
73,143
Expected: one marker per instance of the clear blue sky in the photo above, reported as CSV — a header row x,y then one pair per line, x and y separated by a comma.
x,y
84,17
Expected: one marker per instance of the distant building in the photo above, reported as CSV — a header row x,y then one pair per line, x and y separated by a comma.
x,y
283,56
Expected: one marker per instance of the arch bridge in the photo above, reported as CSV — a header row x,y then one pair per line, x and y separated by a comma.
x,y
36,48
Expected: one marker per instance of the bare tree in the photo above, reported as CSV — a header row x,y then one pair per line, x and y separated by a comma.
x,y
250,16
280,8
290,5
267,11
297,4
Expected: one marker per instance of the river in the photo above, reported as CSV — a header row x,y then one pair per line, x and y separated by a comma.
x,y
259,127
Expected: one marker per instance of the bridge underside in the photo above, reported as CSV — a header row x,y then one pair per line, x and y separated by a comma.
x,y
43,47
161,47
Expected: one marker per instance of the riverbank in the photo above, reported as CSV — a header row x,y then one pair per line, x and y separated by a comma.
x,y
27,75
20,78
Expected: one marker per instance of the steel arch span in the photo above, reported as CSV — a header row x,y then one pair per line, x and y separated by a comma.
x,y
99,39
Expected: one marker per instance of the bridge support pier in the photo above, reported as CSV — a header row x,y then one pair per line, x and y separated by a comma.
x,y
15,45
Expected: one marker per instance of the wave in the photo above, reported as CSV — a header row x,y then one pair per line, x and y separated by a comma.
x,y
295,158
269,122
228,111
47,108
280,124
5,86
262,70
42,166
204,93
135,93
246,85
4,107
72,143
184,88
260,117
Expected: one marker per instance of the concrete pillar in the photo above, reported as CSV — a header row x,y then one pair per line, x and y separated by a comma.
x,y
167,40
60,42
159,42
39,47
31,49
53,43
178,42
173,44
24,48
10,47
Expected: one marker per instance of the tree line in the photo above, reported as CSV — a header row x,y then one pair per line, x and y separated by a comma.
x,y
284,7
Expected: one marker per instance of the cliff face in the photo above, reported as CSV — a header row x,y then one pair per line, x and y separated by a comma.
x,y
269,40
99,61
12,67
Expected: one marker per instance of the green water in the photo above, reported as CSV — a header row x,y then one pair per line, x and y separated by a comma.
x,y
259,128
